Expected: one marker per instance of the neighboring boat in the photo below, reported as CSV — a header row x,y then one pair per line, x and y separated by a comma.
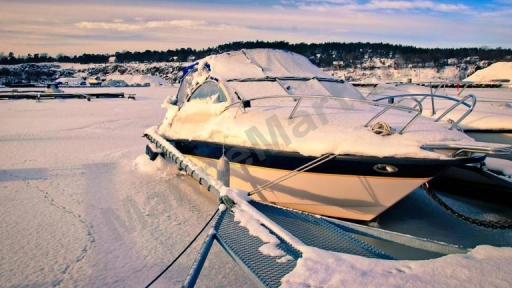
x,y
298,137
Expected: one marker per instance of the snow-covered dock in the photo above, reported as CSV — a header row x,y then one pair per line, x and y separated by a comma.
x,y
42,95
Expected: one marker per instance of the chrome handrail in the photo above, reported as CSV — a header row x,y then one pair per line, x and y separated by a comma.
x,y
436,85
457,103
418,111
456,123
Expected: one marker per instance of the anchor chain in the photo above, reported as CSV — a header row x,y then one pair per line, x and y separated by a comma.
x,y
498,224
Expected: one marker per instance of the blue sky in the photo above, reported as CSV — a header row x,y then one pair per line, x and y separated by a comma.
x,y
76,27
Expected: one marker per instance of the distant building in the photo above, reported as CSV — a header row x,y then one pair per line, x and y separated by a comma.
x,y
112,59
471,60
453,61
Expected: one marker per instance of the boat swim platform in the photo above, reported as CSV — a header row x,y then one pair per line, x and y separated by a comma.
x,y
312,230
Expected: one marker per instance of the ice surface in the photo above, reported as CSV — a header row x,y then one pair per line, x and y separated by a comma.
x,y
81,206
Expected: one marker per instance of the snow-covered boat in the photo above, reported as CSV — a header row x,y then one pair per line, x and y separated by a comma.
x,y
298,137
490,120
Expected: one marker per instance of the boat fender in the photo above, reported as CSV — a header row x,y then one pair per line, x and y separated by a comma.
x,y
223,170
227,201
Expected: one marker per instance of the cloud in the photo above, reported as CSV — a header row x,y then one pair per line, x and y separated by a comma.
x,y
112,25
410,5
173,24
376,5
278,7
77,27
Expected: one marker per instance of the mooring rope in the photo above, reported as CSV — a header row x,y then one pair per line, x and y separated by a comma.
x,y
497,224
382,128
184,250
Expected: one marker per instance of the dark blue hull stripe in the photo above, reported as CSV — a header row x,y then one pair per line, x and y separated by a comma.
x,y
342,164
490,131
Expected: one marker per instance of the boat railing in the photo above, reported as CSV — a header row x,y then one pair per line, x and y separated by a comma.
x,y
439,85
457,102
434,87
418,104
417,108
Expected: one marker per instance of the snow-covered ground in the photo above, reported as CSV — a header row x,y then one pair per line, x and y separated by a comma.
x,y
497,71
163,73
82,206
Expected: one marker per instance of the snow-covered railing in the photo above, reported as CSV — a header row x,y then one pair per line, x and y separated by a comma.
x,y
436,86
423,96
417,108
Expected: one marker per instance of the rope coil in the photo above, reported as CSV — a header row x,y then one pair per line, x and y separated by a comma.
x,y
382,128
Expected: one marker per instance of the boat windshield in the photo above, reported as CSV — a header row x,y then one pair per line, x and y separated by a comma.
x,y
185,87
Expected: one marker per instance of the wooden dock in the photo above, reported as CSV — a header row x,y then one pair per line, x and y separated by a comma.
x,y
359,84
454,85
36,95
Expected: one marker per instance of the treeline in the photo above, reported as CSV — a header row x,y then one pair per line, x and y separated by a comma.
x,y
322,54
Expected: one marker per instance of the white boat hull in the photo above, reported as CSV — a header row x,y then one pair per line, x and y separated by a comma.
x,y
341,196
